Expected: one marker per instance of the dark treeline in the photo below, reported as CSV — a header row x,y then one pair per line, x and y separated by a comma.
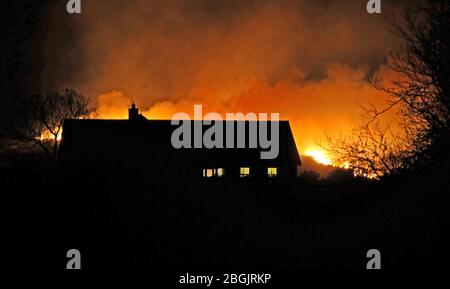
x,y
129,222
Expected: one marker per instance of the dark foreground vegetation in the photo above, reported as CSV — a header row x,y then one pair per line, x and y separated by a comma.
x,y
129,222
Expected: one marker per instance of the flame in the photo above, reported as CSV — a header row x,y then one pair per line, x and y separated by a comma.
x,y
319,156
48,136
361,173
345,165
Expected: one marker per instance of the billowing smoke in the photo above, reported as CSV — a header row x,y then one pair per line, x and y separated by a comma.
x,y
305,59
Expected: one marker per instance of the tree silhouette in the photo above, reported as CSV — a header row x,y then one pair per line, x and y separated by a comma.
x,y
422,92
421,95
42,117
370,151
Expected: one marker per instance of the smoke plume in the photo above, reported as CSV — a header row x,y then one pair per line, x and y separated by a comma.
x,y
305,59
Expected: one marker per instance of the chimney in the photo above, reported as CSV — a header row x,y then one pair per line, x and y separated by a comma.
x,y
133,112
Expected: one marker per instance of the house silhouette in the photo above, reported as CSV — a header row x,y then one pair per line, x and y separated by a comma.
x,y
143,147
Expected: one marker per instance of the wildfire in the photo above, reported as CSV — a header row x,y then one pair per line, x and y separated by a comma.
x,y
319,156
47,136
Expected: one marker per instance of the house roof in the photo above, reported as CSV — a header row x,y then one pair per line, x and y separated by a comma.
x,y
143,143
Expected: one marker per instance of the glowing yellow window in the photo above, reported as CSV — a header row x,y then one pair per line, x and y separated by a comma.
x,y
220,172
207,173
245,171
272,172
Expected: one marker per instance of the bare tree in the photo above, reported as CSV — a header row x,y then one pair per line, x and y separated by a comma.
x,y
421,92
43,116
370,150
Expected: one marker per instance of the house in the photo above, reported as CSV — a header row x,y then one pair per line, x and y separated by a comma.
x,y
143,147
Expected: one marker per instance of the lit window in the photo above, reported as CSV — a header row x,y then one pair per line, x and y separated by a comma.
x,y
245,172
220,172
207,173
272,172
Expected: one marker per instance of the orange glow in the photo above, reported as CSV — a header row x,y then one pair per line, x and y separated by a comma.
x,y
340,96
113,105
319,156
47,136
345,165
286,57
329,105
